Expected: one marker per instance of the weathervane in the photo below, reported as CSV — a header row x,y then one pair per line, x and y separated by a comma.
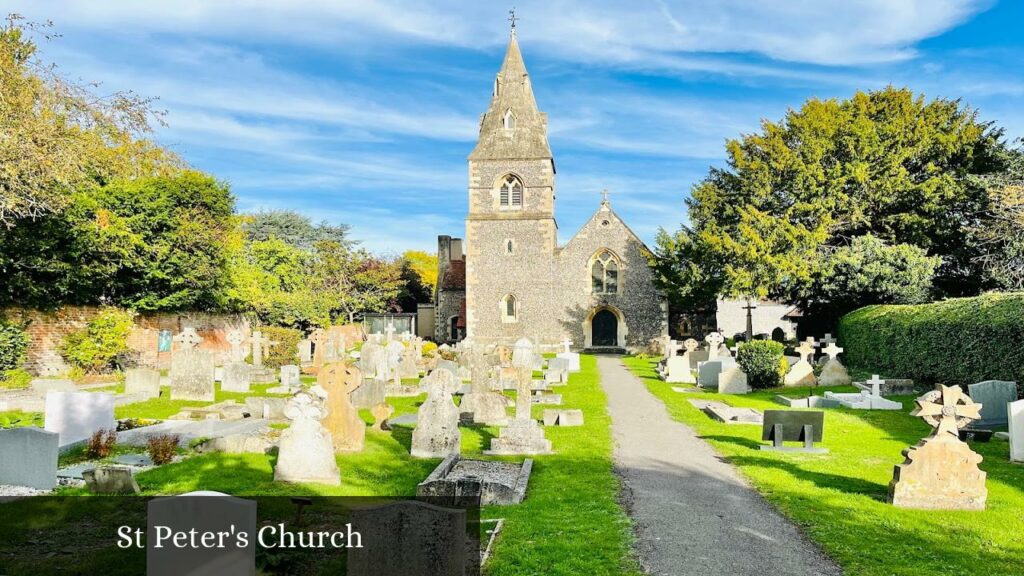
x,y
512,18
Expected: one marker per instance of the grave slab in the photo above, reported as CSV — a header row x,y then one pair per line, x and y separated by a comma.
x,y
28,457
495,483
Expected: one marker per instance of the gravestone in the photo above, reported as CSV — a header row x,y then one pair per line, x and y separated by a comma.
x,y
201,512
28,457
523,435
409,538
941,472
714,340
707,372
76,415
1015,417
305,351
573,358
347,429
306,450
108,479
493,483
264,407
290,376
677,370
833,373
793,426
260,346
563,417
381,412
142,381
371,393
236,338
993,395
193,371
733,380
802,372
732,415
236,377
437,432
409,366
394,350
482,405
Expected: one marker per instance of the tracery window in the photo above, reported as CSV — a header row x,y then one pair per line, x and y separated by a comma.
x,y
604,273
510,192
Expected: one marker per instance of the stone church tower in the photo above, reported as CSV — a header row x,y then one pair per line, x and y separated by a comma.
x,y
596,291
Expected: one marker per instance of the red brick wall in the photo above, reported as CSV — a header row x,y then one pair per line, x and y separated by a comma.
x,y
46,331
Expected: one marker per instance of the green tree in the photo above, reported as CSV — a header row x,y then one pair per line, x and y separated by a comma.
x,y
355,280
58,136
154,243
419,276
886,163
1001,234
293,228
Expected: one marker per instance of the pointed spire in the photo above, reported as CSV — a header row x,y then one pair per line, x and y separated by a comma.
x,y
512,127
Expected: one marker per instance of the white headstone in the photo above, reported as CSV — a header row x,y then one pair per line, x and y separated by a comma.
x,y
75,416
201,512
306,450
28,457
1015,416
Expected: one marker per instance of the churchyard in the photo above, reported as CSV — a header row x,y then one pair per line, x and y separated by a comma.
x,y
569,522
839,493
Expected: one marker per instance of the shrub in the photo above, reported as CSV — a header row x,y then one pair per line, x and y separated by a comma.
x,y
286,351
763,362
13,344
162,448
17,379
101,343
429,349
956,341
101,444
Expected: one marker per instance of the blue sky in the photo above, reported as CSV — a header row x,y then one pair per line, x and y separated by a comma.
x,y
363,112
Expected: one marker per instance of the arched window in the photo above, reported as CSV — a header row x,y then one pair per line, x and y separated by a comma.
x,y
509,121
510,192
604,273
509,308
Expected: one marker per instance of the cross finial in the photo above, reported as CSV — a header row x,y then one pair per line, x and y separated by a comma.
x,y
512,18
604,196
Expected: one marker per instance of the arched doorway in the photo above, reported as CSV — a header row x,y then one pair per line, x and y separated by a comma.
x,y
605,329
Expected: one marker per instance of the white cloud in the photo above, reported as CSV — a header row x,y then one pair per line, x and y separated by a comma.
x,y
845,32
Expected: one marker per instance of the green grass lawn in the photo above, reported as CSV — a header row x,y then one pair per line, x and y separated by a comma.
x,y
569,524
839,499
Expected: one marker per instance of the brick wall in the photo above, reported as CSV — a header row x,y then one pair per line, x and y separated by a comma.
x,y
46,332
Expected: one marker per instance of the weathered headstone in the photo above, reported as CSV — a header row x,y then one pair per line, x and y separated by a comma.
x,y
347,429
144,382
1015,417
523,435
192,370
291,376
305,351
44,385
492,483
409,538
76,415
381,412
28,457
437,432
236,338
482,405
236,377
201,512
993,395
563,417
109,479
802,373
677,370
941,472
306,450
733,380
833,373
714,340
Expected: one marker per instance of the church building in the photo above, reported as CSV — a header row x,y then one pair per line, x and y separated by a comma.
x,y
510,278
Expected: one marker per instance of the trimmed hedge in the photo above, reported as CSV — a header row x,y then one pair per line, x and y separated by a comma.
x,y
956,341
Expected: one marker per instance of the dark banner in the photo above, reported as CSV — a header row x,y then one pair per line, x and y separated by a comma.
x,y
211,534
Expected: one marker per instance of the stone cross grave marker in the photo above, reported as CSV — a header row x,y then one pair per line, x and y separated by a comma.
x,y
832,350
941,472
828,339
188,338
236,339
260,345
714,340
306,451
876,385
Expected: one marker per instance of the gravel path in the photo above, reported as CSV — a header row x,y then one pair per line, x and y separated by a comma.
x,y
692,512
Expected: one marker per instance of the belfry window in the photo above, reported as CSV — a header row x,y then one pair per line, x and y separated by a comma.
x,y
511,191
604,273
